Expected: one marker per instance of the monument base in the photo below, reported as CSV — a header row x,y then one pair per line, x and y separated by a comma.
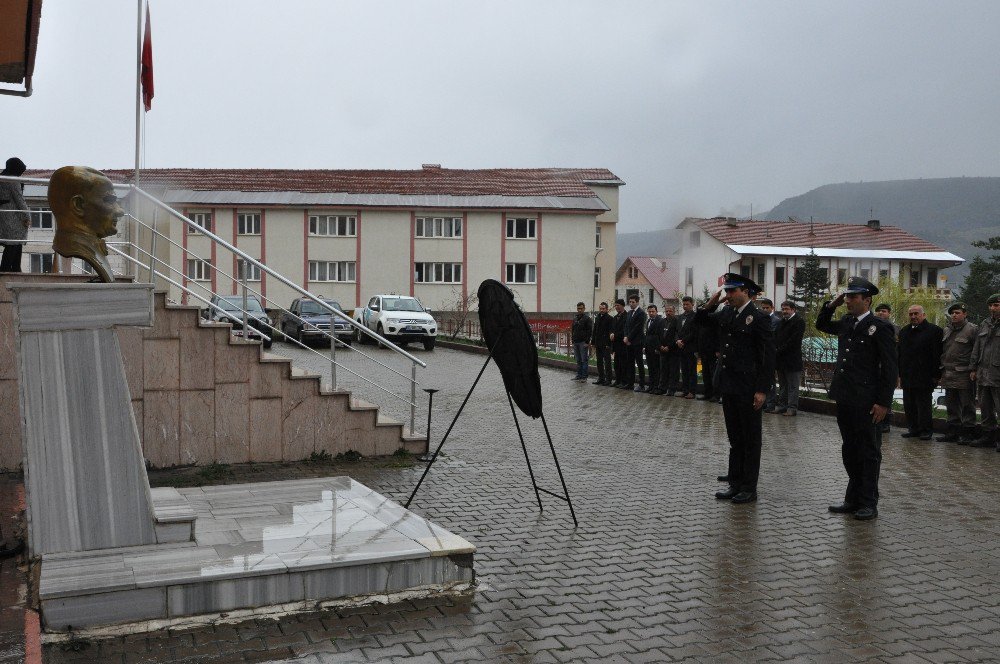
x,y
298,543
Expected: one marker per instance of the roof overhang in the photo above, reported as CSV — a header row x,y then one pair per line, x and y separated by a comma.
x,y
18,42
838,252
562,203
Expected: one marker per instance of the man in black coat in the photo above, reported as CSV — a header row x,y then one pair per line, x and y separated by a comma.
x,y
654,323
668,353
635,325
745,376
687,342
862,386
582,329
920,347
601,343
618,343
708,352
788,358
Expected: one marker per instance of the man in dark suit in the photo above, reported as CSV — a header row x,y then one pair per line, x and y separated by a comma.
x,y
920,348
788,358
745,376
862,386
654,323
668,352
618,343
601,342
687,342
635,324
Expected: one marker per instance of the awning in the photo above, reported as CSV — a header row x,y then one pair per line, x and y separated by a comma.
x,y
839,252
18,40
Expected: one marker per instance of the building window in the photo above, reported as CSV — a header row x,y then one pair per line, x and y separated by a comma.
x,y
520,228
332,270
41,219
598,236
248,223
40,263
779,275
203,219
689,276
841,276
520,273
633,272
883,274
335,225
199,270
760,275
438,227
252,270
694,238
438,273
932,277
914,278
866,273
650,300
745,271
597,278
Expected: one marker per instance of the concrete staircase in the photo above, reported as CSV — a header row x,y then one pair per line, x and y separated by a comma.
x,y
201,396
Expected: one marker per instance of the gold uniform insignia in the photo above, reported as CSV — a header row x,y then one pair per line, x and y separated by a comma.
x,y
749,319
871,330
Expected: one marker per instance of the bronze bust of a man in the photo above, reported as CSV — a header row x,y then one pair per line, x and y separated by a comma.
x,y
86,209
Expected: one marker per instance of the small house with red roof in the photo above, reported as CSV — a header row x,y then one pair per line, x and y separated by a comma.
x,y
769,252
654,280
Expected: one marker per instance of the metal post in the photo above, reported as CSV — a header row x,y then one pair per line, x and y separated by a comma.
x,y
333,352
243,279
152,250
413,396
430,403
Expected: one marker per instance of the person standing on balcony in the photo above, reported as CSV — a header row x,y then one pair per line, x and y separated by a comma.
x,y
985,365
14,217
582,331
959,390
600,341
919,371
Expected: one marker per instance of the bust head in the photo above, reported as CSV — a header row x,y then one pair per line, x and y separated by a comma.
x,y
83,201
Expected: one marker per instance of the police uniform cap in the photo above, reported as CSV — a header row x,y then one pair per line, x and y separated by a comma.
x,y
861,286
958,306
733,280
883,307
993,299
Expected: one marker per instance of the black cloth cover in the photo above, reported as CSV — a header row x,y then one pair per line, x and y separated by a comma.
x,y
506,331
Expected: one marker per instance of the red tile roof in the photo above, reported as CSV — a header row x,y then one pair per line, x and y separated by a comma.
x,y
818,234
659,272
426,181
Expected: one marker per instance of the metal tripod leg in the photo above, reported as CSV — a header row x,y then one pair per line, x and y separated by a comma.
x,y
524,447
559,470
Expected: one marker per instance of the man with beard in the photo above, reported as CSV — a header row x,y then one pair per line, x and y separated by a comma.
x,y
788,359
919,371
601,343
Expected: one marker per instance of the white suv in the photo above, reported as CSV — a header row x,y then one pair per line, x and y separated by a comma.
x,y
399,318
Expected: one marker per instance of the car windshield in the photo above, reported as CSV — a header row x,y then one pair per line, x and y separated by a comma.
x,y
235,303
401,304
310,307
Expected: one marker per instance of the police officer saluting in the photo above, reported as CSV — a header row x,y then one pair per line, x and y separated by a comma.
x,y
746,374
862,386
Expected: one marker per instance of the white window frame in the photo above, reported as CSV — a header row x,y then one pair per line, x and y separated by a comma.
x,y
443,227
245,219
694,239
42,219
202,219
437,273
689,276
198,270
522,228
598,236
37,261
633,272
333,225
528,273
333,271
253,270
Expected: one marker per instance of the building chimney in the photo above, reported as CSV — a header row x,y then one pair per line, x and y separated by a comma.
x,y
730,221
431,167
874,224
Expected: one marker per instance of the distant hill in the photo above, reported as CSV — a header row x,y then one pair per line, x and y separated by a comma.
x,y
645,243
950,212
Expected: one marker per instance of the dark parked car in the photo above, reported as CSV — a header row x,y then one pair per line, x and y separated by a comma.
x,y
316,323
232,312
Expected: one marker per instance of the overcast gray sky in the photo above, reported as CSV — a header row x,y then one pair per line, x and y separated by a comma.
x,y
701,107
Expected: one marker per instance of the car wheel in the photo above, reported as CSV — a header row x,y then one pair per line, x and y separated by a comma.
x,y
429,344
358,337
381,333
298,334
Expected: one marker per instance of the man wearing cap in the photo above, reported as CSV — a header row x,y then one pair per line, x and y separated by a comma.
x,y
959,390
746,373
985,365
863,383
919,371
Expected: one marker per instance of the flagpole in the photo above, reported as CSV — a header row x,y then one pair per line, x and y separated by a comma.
x,y
138,110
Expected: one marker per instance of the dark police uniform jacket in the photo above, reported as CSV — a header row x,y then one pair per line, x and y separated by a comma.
x,y
746,346
866,358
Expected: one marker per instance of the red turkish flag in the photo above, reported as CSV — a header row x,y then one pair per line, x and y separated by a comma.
x,y
146,77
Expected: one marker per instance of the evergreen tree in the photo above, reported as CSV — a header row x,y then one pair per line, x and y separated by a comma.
x,y
810,283
983,279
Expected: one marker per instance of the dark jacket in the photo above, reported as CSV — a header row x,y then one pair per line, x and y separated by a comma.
x,y
920,356
788,343
583,329
687,330
708,337
956,356
618,329
668,334
652,338
747,358
635,325
866,359
601,338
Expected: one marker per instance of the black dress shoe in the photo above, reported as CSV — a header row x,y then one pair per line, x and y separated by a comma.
x,y
843,508
727,494
927,435
723,478
866,514
745,497
909,434
701,397
948,438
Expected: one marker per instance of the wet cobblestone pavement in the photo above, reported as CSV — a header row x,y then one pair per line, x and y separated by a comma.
x,y
658,571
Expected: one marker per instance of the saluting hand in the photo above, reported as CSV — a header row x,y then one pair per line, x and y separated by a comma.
x,y
878,413
758,400
839,301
